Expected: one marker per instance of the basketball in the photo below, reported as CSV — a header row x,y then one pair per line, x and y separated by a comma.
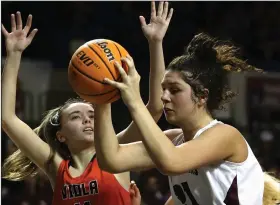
x,y
90,64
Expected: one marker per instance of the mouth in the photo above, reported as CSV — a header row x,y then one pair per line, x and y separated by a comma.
x,y
88,129
167,110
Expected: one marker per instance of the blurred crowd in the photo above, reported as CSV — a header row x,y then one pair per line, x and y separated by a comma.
x,y
255,26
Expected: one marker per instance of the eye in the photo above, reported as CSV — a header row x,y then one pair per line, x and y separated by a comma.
x,y
174,90
91,116
75,117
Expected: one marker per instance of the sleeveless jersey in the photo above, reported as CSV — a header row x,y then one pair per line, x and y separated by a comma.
x,y
224,183
93,187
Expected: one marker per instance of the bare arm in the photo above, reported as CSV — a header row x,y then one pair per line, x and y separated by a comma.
x,y
111,156
114,157
154,32
19,132
212,146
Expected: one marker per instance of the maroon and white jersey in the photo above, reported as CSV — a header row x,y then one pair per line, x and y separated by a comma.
x,y
224,183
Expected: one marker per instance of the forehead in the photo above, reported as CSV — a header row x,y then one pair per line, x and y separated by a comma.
x,y
172,77
78,107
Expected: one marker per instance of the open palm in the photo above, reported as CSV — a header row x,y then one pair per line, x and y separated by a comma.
x,y
17,40
156,29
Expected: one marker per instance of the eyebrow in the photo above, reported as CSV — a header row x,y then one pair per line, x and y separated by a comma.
x,y
170,83
77,111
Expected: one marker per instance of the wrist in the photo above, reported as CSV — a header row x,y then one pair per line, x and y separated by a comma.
x,y
14,53
155,41
135,105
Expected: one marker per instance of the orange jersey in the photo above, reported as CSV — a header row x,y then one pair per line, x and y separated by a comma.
x,y
93,187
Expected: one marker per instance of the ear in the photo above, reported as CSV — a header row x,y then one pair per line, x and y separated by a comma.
x,y
203,98
60,137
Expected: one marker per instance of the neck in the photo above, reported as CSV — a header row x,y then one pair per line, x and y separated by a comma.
x,y
81,158
191,126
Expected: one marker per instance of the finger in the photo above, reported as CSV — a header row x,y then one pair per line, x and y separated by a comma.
x,y
19,21
13,23
160,8
112,83
165,10
170,15
153,9
129,63
4,31
131,59
28,24
137,191
132,193
32,34
121,70
142,21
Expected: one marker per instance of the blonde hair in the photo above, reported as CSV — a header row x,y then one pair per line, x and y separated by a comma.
x,y
18,167
271,195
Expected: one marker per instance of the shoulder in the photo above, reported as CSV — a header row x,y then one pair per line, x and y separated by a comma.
x,y
224,131
173,133
228,137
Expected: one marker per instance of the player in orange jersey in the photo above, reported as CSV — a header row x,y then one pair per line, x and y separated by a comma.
x,y
68,155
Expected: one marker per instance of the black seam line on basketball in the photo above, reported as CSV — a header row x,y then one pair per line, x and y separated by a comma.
x,y
99,93
118,50
87,74
113,96
102,61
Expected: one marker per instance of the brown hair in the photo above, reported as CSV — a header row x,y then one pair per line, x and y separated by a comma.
x,y
205,64
18,167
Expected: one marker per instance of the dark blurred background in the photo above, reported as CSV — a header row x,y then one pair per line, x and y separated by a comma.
x,y
64,26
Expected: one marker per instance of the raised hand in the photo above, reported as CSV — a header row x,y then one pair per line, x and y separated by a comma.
x,y
17,40
129,86
159,22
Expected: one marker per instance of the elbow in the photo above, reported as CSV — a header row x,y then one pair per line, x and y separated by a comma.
x,y
6,118
6,121
165,168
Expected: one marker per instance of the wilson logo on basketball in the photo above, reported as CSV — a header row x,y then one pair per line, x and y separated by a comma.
x,y
106,50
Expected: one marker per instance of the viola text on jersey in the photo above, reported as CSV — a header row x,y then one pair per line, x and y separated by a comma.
x,y
78,190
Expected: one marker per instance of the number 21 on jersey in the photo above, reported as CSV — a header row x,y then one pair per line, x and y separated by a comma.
x,y
181,189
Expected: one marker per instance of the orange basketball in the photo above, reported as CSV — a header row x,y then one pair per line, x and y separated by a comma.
x,y
90,64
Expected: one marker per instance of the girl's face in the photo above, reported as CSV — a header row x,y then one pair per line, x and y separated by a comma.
x,y
177,98
77,124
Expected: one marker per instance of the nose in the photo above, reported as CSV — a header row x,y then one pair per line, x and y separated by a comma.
x,y
87,119
165,97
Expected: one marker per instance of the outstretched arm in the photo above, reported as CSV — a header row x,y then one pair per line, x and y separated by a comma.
x,y
154,32
119,158
19,132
